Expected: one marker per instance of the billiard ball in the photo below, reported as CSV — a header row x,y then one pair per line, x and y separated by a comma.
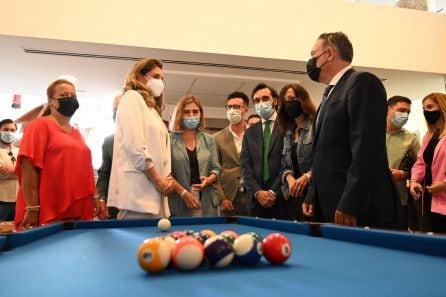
x,y
247,249
218,252
229,235
164,225
256,236
154,255
208,232
177,235
188,253
276,248
170,242
200,237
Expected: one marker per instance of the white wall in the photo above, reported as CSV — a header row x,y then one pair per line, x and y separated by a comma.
x,y
384,37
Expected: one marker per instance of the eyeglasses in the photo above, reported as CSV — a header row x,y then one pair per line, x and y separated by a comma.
x,y
13,159
234,106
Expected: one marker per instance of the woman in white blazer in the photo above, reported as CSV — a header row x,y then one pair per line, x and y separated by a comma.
x,y
194,162
140,176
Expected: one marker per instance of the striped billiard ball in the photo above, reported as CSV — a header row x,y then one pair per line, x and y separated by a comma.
x,y
248,250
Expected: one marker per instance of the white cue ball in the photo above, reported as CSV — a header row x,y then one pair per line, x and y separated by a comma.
x,y
164,224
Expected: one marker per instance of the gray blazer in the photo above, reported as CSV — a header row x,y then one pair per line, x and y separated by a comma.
x,y
207,163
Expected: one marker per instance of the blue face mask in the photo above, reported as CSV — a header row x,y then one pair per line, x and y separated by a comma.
x,y
265,109
7,136
191,122
400,119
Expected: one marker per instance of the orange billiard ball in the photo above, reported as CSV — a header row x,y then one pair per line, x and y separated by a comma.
x,y
154,255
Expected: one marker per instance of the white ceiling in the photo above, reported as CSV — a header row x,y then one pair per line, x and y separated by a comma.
x,y
30,73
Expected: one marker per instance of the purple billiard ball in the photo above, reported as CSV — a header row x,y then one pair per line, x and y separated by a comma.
x,y
218,252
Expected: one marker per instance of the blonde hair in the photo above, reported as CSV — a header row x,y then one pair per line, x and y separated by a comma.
x,y
185,100
132,83
440,99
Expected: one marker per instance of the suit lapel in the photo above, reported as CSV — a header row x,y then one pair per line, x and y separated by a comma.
x,y
274,135
334,94
180,144
229,138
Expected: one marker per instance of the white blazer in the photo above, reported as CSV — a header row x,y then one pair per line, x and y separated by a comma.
x,y
140,136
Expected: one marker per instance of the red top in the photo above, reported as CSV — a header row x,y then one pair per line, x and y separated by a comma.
x,y
66,180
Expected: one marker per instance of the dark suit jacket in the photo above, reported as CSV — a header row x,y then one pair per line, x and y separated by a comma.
x,y
350,167
251,160
105,169
229,159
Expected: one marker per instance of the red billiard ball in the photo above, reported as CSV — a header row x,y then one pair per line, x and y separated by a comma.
x,y
218,252
154,255
247,249
188,253
276,248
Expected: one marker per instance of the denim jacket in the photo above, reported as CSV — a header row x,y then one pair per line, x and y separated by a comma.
x,y
304,153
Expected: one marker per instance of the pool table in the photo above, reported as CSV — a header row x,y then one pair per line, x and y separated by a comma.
x,y
99,259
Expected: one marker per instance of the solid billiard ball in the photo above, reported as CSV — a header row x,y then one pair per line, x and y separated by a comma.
x,y
154,255
276,248
218,252
247,249
164,224
188,253
208,232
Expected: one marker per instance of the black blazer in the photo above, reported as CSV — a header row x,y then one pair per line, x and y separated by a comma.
x,y
350,167
251,161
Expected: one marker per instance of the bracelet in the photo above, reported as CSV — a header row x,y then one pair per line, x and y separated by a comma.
x,y
307,175
34,208
182,193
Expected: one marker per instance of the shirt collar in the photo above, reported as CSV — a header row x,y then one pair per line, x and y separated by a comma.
x,y
338,75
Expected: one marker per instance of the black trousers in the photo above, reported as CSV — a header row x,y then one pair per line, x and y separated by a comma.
x,y
277,211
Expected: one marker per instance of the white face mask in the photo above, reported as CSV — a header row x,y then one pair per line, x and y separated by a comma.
x,y
156,86
264,109
234,116
7,136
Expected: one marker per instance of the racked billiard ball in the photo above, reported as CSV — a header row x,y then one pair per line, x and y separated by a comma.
x,y
218,252
188,253
247,249
277,248
154,255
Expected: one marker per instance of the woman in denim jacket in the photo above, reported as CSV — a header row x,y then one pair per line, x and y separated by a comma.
x,y
296,117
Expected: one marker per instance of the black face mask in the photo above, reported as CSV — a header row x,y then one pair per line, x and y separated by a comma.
x,y
312,70
432,116
293,108
68,106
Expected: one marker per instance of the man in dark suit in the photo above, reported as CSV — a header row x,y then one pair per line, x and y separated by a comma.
x,y
261,156
351,182
230,188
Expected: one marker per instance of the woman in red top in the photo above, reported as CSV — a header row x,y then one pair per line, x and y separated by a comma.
x,y
54,165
